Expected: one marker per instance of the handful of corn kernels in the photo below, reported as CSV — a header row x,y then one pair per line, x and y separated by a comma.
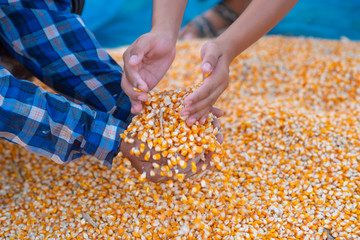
x,y
164,134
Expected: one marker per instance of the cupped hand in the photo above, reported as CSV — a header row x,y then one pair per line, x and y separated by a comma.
x,y
145,62
141,165
215,69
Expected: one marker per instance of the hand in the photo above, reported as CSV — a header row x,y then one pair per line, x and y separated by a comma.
x,y
215,68
145,63
142,165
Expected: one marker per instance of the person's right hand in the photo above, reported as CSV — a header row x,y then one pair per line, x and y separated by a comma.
x,y
145,62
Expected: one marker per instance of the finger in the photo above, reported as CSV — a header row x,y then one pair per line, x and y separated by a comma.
x,y
210,55
136,107
203,118
132,93
205,96
136,98
197,115
220,137
206,68
211,87
216,123
133,58
203,92
198,106
217,112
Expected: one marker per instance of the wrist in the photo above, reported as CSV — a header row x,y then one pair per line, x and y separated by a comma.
x,y
228,52
166,34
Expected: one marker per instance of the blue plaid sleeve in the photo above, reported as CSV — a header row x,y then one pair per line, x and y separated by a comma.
x,y
51,125
57,48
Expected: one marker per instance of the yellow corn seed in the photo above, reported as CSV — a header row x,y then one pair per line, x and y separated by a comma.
x,y
193,167
180,177
297,112
132,151
142,147
147,156
137,90
184,152
198,149
156,156
182,164
142,177
156,166
164,153
173,161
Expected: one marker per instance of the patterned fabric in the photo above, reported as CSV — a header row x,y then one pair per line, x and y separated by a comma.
x,y
58,49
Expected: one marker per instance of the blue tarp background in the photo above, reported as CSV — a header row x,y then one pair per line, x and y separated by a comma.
x,y
120,22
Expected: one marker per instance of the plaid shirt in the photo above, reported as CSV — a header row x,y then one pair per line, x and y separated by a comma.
x,y
57,48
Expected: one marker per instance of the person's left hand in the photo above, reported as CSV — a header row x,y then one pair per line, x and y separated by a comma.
x,y
142,165
215,68
145,63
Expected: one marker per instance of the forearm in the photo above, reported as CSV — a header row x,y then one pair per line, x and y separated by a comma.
x,y
258,19
167,16
64,55
52,126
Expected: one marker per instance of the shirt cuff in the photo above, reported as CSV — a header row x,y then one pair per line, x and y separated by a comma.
x,y
102,140
122,109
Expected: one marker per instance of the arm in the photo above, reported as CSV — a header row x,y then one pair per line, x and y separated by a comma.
x,y
167,16
59,50
52,126
150,56
259,18
66,56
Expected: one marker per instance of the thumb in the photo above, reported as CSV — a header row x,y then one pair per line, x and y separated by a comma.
x,y
134,59
138,51
210,55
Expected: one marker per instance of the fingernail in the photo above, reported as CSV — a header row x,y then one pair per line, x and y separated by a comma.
x,y
187,102
184,114
207,67
133,59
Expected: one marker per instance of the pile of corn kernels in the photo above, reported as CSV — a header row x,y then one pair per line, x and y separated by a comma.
x,y
292,136
165,136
